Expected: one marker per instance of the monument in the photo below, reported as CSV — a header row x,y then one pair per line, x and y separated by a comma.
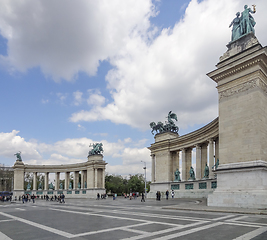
x,y
241,78
89,176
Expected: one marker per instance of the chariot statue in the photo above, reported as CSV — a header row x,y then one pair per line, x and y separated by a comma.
x,y
97,149
169,125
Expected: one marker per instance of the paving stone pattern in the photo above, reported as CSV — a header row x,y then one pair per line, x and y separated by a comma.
x,y
126,219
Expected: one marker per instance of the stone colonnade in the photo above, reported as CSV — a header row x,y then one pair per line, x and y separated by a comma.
x,y
92,175
168,147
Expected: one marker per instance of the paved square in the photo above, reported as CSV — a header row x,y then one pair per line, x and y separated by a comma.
x,y
124,219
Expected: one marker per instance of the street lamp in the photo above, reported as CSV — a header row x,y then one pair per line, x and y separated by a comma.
x,y
145,175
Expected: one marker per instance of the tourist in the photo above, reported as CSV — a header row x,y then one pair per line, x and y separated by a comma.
x,y
62,198
172,194
143,197
33,198
98,196
167,194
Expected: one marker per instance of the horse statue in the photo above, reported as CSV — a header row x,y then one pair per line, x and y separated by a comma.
x,y
158,128
97,149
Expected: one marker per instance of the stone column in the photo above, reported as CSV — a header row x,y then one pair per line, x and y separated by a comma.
x,y
204,157
76,180
19,177
82,179
67,180
34,181
57,180
103,178
217,150
188,160
175,164
46,179
90,177
96,182
211,157
153,168
198,162
183,165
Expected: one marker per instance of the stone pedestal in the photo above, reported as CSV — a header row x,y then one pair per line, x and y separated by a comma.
x,y
241,78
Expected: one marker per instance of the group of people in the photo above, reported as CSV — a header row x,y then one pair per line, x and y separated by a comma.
x,y
28,198
167,193
102,196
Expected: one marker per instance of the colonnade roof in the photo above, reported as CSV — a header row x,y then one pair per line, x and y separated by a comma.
x,y
190,140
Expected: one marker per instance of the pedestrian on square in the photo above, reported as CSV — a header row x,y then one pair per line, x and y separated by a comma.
x,y
167,194
62,198
23,198
143,197
33,198
98,196
172,194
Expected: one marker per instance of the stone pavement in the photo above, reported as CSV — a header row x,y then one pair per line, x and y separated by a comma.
x,y
129,219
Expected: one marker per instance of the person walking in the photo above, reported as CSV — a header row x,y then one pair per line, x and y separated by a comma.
x,y
33,198
143,197
167,195
172,194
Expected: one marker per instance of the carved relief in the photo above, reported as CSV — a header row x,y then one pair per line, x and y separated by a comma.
x,y
241,88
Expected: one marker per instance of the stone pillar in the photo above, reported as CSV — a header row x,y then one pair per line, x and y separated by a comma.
x,y
82,179
211,157
103,178
188,160
175,164
34,181
153,168
19,176
96,182
67,180
217,150
46,179
198,162
76,180
57,180
90,177
184,175
204,157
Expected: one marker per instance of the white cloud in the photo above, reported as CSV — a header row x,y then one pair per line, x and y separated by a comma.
x,y
77,98
169,73
64,37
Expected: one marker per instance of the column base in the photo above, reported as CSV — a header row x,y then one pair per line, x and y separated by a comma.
x,y
241,185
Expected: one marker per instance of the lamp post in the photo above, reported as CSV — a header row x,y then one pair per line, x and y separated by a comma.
x,y
145,175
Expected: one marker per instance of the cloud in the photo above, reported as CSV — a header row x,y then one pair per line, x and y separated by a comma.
x,y
169,72
77,98
63,38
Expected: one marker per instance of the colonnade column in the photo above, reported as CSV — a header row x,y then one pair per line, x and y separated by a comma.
x,y
46,181
211,157
188,160
175,164
153,168
82,179
103,178
204,158
57,180
67,180
184,175
96,185
34,181
217,149
198,162
75,180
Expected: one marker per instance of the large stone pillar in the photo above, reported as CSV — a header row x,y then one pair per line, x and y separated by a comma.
x,y
184,175
96,178
67,180
82,179
204,158
198,162
46,179
188,160
153,168
19,176
241,78
34,187
211,157
175,164
90,177
76,180
57,180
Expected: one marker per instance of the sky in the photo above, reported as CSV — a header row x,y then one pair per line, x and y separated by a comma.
x,y
78,72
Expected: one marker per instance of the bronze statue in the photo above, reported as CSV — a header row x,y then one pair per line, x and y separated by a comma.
x,y
97,149
18,155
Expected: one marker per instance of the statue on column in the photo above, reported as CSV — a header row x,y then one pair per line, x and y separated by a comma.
x,y
85,184
206,171
18,155
97,149
243,25
70,185
192,174
177,176
79,185
61,185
